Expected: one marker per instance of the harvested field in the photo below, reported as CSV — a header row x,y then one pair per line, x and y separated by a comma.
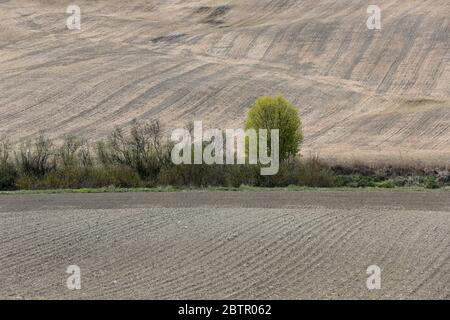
x,y
275,245
361,92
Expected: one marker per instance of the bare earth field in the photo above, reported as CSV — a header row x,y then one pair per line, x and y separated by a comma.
x,y
217,245
363,94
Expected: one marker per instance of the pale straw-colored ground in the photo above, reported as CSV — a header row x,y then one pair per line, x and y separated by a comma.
x,y
362,93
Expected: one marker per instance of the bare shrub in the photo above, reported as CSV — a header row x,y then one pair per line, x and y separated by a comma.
x,y
84,155
8,172
74,152
142,150
37,158
67,151
5,150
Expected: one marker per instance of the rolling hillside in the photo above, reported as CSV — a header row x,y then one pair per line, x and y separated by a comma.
x,y
362,93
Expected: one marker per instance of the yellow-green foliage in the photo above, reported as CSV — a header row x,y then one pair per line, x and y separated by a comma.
x,y
277,113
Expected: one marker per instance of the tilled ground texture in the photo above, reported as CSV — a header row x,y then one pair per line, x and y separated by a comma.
x,y
314,245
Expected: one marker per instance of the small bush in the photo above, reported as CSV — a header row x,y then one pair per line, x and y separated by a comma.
x,y
313,173
8,176
431,183
24,182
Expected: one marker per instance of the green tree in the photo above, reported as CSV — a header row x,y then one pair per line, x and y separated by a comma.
x,y
277,113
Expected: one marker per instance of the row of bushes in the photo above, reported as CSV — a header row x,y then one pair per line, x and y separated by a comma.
x,y
141,158
391,176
